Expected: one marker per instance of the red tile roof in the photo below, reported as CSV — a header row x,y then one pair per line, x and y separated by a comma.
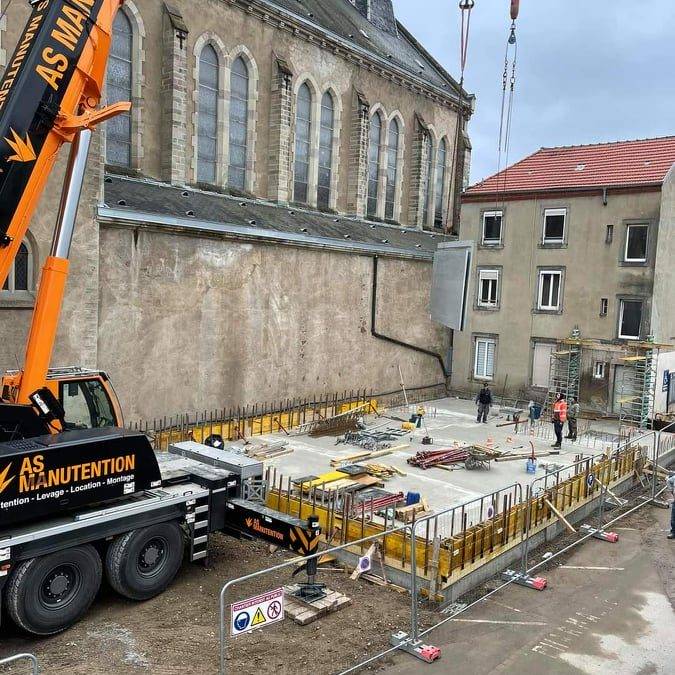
x,y
622,163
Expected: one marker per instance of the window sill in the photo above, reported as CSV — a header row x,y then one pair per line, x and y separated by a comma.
x,y
537,310
490,247
480,378
14,300
628,339
633,263
484,308
553,244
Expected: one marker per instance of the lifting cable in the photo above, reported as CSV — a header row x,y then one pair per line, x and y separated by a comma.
x,y
506,115
465,6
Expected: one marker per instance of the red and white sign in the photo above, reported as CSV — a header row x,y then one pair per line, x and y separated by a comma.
x,y
257,612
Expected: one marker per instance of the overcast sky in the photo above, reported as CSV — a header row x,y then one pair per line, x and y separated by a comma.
x,y
588,70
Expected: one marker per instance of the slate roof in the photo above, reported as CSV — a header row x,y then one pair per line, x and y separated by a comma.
x,y
386,38
620,164
150,202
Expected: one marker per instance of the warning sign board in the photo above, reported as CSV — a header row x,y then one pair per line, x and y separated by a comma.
x,y
257,612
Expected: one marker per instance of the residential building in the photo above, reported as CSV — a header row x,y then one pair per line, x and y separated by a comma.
x,y
569,238
227,227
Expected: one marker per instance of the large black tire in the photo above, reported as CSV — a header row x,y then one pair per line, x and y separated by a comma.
x,y
48,594
142,563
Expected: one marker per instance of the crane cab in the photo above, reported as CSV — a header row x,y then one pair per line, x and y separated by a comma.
x,y
87,396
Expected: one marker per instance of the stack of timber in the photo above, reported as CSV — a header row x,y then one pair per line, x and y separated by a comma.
x,y
365,456
264,451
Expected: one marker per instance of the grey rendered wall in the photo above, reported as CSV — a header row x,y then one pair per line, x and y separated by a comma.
x,y
188,323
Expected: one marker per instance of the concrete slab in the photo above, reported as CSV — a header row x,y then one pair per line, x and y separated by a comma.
x,y
448,421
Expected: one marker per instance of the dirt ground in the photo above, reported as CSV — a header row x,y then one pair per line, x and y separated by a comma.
x,y
177,632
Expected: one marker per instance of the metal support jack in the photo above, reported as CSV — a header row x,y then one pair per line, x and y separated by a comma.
x,y
416,648
611,537
536,583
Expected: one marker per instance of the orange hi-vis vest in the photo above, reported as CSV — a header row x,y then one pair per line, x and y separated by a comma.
x,y
560,407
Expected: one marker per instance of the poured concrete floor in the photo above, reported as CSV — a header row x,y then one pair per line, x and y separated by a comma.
x,y
448,420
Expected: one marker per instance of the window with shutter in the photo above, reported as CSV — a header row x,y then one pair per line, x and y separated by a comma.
x,y
484,363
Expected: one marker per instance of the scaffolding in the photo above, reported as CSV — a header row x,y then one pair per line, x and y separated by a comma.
x,y
638,388
564,370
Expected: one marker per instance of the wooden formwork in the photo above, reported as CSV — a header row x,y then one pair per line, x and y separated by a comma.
x,y
474,546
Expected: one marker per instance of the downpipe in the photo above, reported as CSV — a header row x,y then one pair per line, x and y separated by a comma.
x,y
447,371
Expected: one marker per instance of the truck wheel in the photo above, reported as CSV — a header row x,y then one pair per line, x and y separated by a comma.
x,y
46,595
142,563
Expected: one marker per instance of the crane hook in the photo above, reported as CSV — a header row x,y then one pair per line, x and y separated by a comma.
x,y
512,36
466,4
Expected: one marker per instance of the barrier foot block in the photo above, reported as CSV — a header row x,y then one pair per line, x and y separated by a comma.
x,y
416,648
611,537
537,583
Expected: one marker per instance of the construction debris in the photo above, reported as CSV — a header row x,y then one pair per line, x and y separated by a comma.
x,y
474,457
363,456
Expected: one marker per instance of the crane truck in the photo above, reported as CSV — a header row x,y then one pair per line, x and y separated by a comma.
x,y
82,498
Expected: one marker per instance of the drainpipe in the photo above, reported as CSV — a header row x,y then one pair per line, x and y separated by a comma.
x,y
373,330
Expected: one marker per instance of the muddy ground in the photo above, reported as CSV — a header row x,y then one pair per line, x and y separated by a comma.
x,y
177,632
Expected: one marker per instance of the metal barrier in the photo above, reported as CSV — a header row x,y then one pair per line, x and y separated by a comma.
x,y
287,564
23,657
416,635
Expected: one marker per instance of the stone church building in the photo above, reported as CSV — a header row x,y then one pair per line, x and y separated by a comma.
x,y
230,222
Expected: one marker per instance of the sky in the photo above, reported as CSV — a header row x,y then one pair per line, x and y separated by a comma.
x,y
588,71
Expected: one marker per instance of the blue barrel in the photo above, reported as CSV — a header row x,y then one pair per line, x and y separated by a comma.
x,y
412,498
536,411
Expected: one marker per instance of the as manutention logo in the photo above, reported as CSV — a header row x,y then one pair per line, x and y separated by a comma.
x,y
34,476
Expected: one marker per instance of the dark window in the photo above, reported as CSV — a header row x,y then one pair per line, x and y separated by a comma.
x,y
303,135
492,227
440,181
392,170
239,83
554,226
86,405
609,236
118,88
207,132
19,277
374,163
604,306
326,150
630,319
636,243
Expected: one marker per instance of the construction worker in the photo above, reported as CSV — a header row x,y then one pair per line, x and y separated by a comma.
x,y
572,418
671,492
559,418
483,401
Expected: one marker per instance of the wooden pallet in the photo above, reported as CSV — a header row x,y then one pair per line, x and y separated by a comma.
x,y
304,613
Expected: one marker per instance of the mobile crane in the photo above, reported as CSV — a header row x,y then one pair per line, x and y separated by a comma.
x,y
81,496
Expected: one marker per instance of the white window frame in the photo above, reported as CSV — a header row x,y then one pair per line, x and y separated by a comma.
x,y
487,342
492,242
540,289
554,240
604,306
599,369
625,250
622,304
490,276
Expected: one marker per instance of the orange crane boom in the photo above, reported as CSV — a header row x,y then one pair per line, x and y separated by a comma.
x,y
49,96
